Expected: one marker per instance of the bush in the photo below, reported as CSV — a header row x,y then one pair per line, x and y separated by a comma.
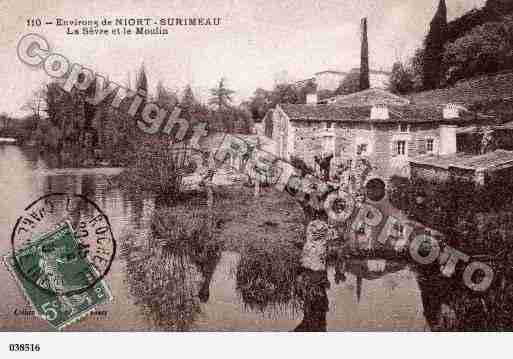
x,y
266,275
459,209
159,167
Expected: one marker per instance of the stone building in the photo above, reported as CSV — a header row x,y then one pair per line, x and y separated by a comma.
x,y
481,169
388,135
329,80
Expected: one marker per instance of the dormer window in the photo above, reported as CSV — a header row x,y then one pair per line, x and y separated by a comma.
x,y
404,128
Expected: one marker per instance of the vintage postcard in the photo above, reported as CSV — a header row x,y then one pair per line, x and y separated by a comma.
x,y
256,166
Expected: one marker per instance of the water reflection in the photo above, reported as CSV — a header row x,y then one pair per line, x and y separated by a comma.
x,y
170,271
197,285
450,306
266,276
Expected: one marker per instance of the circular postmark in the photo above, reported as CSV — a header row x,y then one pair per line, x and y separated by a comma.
x,y
63,244
375,189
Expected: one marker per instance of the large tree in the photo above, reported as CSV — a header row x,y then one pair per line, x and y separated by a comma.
x,y
350,84
499,7
433,48
486,49
165,98
189,104
141,85
285,93
221,96
260,103
401,80
36,104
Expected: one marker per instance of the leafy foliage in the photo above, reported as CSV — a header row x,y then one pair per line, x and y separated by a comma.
x,y
221,96
350,84
487,48
462,210
159,167
401,80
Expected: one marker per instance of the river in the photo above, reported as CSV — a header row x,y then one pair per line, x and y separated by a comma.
x,y
372,296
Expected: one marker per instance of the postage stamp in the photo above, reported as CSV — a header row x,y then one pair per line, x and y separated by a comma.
x,y
57,262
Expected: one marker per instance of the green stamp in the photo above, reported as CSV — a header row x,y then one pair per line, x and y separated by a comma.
x,y
56,277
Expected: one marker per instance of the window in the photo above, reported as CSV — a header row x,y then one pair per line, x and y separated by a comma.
x,y
329,124
401,148
362,149
404,128
430,145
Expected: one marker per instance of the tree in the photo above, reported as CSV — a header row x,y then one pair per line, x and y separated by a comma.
x,y
401,80
433,48
221,96
165,98
142,80
499,7
189,104
284,93
364,66
141,86
417,65
350,84
260,103
36,104
486,49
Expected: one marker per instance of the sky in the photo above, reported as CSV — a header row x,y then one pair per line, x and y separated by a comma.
x,y
256,40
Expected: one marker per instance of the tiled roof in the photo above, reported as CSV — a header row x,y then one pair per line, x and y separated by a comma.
x,y
408,114
368,97
325,112
332,72
483,162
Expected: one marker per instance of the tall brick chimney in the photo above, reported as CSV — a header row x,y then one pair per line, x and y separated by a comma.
x,y
364,63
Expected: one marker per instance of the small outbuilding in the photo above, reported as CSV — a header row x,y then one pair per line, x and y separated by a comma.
x,y
496,165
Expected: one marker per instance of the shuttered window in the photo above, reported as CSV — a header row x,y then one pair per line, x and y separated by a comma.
x,y
430,145
393,148
401,148
411,147
421,146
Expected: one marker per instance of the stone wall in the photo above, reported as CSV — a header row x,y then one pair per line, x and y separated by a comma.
x,y
282,134
307,144
380,139
386,137
429,172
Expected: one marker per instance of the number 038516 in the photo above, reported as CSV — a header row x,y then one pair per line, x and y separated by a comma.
x,y
24,347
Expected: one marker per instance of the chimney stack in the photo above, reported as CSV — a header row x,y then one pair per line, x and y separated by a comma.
x,y
311,98
451,111
379,112
364,64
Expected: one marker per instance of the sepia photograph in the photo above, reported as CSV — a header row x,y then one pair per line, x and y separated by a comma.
x,y
254,166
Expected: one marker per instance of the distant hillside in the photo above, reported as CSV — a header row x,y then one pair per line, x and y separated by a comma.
x,y
489,94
